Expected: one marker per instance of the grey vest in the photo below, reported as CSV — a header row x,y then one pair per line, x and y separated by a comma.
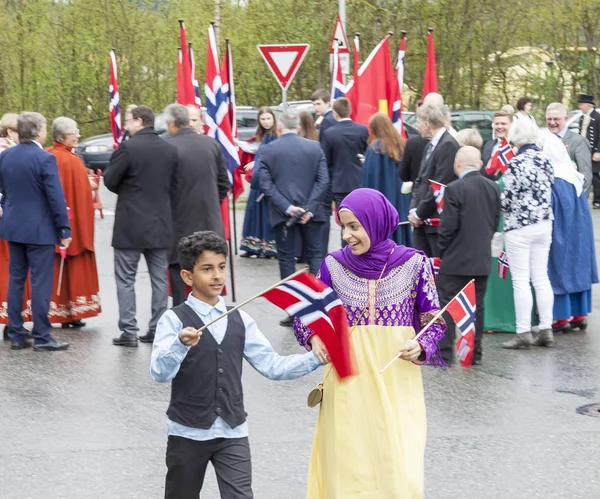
x,y
209,381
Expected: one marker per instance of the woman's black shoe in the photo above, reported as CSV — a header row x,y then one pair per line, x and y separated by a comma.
x,y
581,325
73,325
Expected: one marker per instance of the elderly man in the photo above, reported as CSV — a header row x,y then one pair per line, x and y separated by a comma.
x,y
201,183
437,164
469,220
141,172
589,127
578,148
196,122
435,99
500,125
34,221
293,176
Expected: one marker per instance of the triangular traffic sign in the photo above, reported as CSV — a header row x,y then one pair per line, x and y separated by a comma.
x,y
339,37
284,60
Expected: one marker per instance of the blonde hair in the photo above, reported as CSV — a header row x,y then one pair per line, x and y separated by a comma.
x,y
8,122
469,137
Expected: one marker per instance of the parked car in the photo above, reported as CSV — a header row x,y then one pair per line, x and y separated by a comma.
x,y
480,120
96,151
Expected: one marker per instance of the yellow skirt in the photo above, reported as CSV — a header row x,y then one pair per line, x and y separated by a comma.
x,y
370,435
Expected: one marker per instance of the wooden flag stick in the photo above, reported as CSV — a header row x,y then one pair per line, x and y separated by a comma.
x,y
60,275
429,324
404,223
295,274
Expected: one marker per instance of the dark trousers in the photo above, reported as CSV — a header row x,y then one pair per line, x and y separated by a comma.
x,y
327,210
426,242
187,461
338,198
448,287
177,284
596,185
311,233
40,259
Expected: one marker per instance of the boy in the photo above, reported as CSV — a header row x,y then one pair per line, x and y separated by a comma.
x,y
206,419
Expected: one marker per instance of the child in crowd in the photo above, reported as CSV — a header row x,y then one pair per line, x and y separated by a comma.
x,y
206,419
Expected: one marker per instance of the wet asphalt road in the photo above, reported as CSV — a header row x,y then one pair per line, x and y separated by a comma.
x,y
90,422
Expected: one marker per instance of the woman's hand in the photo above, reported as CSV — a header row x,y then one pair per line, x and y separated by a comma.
x,y
249,166
411,351
318,347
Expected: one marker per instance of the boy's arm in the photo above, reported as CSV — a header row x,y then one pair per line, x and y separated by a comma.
x,y
167,350
261,356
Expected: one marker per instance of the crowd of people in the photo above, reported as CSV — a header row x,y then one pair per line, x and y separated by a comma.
x,y
518,202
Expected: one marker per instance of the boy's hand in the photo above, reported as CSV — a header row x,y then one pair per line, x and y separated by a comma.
x,y
190,336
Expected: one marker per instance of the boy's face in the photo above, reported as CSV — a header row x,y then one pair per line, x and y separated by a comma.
x,y
320,106
208,278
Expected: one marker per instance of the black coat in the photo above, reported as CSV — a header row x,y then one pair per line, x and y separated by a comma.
x,y
293,172
439,167
470,218
412,158
342,143
141,172
593,136
201,183
486,153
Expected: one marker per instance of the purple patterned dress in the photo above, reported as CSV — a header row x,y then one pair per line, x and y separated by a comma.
x,y
371,432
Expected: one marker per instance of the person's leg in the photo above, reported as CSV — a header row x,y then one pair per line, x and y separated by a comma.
x,y
233,468
596,185
177,284
312,248
156,260
41,262
480,287
126,264
186,466
327,210
448,286
285,241
544,296
518,251
432,238
17,268
338,198
421,242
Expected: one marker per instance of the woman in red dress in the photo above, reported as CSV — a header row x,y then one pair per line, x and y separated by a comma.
x,y
79,291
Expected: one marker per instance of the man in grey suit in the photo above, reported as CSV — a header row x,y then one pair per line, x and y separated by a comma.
x,y
578,147
200,184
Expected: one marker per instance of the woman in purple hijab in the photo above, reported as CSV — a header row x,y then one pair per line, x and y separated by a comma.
x,y
370,435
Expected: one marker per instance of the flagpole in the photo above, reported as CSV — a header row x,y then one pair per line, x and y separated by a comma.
x,y
435,318
289,278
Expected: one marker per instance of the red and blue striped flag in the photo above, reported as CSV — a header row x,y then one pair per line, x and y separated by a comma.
x,y
115,105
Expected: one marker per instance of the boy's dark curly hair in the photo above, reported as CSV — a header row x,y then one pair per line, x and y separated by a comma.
x,y
191,247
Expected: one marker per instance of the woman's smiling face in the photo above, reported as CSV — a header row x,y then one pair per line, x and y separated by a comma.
x,y
354,233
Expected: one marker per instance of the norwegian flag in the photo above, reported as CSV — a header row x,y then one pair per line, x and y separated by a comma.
x,y
197,100
115,106
438,192
502,265
227,76
185,89
319,309
462,309
337,80
435,264
501,158
397,105
432,222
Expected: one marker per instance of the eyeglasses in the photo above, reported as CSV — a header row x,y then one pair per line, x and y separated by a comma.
x,y
558,120
73,134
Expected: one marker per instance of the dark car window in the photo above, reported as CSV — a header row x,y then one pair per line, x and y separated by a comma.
x,y
479,121
456,121
246,119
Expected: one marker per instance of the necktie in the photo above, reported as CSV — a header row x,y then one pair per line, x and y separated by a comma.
x,y
428,151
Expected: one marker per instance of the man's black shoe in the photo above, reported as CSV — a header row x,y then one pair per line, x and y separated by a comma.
x,y
288,322
126,340
73,325
20,345
5,336
147,338
51,346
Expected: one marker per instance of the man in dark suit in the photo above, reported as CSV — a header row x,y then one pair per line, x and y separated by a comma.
x,y
500,125
469,220
201,183
142,172
437,164
344,143
34,220
293,176
321,99
589,127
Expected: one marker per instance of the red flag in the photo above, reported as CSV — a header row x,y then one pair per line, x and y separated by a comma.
x,y
185,89
438,192
430,84
435,263
318,308
195,85
462,309
432,222
501,158
375,88
227,79
180,84
115,106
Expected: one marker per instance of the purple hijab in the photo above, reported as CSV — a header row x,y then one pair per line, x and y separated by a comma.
x,y
380,219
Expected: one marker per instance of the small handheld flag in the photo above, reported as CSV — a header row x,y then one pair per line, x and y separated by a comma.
x,y
501,158
432,222
462,309
438,192
435,263
502,265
